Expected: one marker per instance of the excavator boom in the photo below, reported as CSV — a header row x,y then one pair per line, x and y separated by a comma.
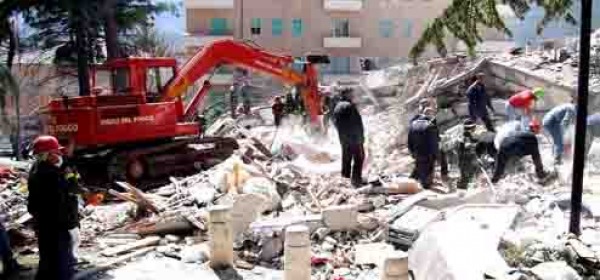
x,y
240,54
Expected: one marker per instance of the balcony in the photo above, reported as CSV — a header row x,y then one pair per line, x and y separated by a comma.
x,y
208,4
342,42
201,39
343,5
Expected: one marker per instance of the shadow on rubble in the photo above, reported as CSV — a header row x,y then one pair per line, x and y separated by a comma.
x,y
228,274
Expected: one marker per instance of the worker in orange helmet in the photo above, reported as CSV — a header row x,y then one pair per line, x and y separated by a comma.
x,y
518,145
521,105
54,208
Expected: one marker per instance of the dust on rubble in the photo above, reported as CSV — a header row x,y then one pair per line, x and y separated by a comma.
x,y
290,175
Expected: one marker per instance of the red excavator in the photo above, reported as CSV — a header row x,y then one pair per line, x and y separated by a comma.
x,y
143,129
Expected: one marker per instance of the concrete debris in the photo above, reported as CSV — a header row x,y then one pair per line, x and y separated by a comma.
x,y
280,199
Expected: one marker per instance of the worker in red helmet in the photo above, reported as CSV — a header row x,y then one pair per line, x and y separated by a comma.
x,y
54,209
519,145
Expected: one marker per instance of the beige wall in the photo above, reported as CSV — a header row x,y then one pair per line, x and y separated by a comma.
x,y
198,20
318,24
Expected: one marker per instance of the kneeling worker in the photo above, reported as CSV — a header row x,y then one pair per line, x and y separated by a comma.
x,y
520,144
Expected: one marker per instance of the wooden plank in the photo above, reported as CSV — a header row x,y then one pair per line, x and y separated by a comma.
x,y
148,241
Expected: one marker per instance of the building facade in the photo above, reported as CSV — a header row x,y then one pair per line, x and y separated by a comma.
x,y
347,30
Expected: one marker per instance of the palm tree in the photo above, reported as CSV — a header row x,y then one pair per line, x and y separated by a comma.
x,y
464,19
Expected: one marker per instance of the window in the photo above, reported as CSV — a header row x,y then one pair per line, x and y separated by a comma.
x,y
218,26
341,27
255,26
408,26
338,65
297,27
386,28
156,79
277,26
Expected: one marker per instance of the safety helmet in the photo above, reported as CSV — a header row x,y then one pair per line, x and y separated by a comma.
x,y
538,92
468,124
535,126
46,143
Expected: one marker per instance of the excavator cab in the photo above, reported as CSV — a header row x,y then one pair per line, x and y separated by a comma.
x,y
142,77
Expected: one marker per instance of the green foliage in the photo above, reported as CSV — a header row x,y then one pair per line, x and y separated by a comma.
x,y
464,19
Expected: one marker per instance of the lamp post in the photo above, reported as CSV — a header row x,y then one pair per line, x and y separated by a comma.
x,y
581,125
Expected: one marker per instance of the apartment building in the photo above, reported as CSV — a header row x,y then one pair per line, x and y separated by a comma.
x,y
347,30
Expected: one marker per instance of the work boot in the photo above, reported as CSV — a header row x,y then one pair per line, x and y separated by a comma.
x,y
546,177
557,160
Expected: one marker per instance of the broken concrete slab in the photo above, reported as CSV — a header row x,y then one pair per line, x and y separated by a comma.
x,y
343,217
444,250
441,201
555,271
246,208
373,253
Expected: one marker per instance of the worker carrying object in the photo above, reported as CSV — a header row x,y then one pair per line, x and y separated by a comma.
x,y
423,144
348,122
479,101
278,110
521,105
593,131
518,145
555,122
53,206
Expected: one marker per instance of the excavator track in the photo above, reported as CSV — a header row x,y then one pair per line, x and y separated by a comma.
x,y
151,165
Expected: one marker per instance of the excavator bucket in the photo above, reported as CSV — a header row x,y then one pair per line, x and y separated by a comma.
x,y
318,59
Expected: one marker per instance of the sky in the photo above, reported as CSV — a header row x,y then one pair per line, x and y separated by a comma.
x,y
173,27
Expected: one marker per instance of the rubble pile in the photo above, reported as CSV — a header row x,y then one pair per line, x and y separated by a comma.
x,y
289,176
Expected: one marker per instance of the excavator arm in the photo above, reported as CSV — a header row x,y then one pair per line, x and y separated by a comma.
x,y
230,52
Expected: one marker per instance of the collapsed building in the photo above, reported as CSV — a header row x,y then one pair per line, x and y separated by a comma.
x,y
283,178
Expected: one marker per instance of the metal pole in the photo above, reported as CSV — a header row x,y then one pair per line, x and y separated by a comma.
x,y
582,103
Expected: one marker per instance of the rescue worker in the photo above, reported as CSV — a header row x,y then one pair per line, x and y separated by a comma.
x,y
9,264
423,144
233,100
555,123
479,101
290,106
507,129
593,131
52,203
427,108
327,108
518,145
467,155
348,122
521,105
278,109
201,120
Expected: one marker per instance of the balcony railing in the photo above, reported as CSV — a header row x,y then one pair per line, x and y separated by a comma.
x,y
343,5
208,4
342,42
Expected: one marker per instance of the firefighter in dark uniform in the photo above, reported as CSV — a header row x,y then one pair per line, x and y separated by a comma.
x,y
349,125
53,204
467,155
278,110
423,145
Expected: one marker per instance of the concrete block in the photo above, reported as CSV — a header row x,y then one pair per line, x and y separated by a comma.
x,y
343,217
395,266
